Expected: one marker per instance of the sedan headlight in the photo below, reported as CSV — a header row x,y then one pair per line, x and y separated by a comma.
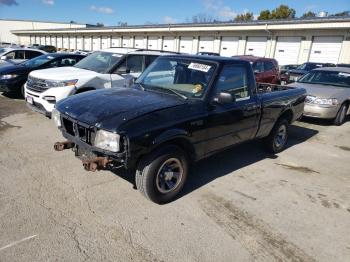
x,y
9,76
321,101
107,141
52,83
56,117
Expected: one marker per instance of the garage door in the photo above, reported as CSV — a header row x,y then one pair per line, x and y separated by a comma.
x,y
140,42
229,46
96,43
115,41
126,42
186,45
169,44
65,42
59,42
87,43
206,44
72,43
105,42
80,42
326,49
32,39
48,40
287,50
53,40
152,43
256,46
42,40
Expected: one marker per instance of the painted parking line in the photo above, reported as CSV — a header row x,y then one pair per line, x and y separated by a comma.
x,y
17,242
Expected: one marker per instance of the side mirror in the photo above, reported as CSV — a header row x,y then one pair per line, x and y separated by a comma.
x,y
256,71
224,98
123,70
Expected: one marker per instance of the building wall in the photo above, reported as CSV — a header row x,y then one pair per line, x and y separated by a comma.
x,y
6,26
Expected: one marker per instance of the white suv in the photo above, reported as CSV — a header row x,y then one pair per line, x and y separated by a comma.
x,y
113,67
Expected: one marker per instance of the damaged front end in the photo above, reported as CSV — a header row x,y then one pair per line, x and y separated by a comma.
x,y
98,149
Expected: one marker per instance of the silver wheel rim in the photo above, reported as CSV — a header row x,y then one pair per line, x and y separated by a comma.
x,y
281,136
169,175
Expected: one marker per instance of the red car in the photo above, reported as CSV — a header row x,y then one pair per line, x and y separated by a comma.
x,y
265,69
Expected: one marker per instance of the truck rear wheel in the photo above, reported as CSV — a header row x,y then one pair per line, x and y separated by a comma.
x,y
277,139
161,175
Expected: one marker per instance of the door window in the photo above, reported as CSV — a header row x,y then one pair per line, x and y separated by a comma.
x,y
19,54
233,79
32,54
10,55
258,67
269,66
134,63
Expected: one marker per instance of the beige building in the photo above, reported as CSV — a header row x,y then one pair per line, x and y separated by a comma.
x,y
8,25
289,41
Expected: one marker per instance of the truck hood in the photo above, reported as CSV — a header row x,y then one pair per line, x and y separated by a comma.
x,y
13,69
63,73
324,91
108,109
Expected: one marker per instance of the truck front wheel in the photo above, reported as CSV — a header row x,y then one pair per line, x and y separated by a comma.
x,y
277,139
161,175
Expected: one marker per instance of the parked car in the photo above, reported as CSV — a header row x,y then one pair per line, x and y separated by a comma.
x,y
343,65
293,75
265,69
47,48
208,53
102,69
328,93
286,68
181,109
14,76
19,54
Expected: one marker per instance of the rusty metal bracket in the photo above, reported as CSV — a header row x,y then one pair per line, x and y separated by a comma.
x,y
60,146
96,164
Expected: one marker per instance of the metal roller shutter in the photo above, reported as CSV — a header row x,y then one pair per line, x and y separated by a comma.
x,y
326,49
287,50
229,46
256,46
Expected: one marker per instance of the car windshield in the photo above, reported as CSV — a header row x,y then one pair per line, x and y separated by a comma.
x,y
38,61
100,62
188,78
332,78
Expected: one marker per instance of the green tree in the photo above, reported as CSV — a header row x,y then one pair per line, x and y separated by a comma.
x,y
308,14
244,17
283,12
344,13
264,15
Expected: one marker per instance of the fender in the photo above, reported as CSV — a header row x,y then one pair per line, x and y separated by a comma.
x,y
170,135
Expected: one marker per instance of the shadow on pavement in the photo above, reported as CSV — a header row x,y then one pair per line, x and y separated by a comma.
x,y
228,161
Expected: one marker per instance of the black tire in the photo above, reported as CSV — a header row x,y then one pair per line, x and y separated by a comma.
x,y
276,141
341,115
151,179
21,91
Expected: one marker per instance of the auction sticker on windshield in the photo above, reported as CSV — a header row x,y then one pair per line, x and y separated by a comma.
x,y
199,67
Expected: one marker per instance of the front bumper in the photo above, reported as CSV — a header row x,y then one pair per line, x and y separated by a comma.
x,y
10,85
311,110
43,106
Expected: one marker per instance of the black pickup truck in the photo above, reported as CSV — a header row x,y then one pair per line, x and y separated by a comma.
x,y
180,110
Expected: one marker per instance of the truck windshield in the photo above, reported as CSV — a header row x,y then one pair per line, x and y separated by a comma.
x,y
332,78
100,62
186,77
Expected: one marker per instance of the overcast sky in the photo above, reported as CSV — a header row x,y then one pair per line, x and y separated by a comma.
x,y
134,12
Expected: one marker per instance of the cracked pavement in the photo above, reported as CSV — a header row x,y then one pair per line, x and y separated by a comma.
x,y
241,205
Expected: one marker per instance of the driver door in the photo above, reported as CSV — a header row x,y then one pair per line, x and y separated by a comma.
x,y
232,122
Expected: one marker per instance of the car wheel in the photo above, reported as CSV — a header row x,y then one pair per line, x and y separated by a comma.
x,y
341,115
22,91
278,137
161,175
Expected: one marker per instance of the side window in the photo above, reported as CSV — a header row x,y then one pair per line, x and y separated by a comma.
x,y
19,54
10,55
32,54
258,67
132,62
269,66
68,61
233,79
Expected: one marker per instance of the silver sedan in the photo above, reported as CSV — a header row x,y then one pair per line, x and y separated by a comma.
x,y
328,93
